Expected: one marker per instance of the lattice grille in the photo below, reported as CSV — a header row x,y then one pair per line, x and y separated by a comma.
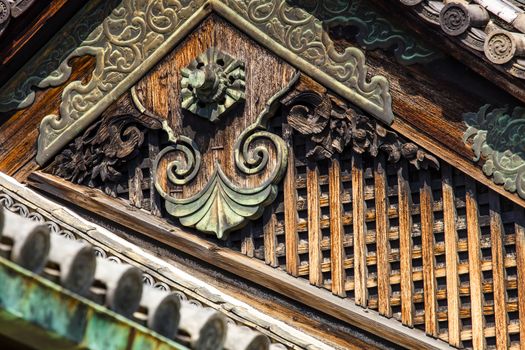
x,y
431,248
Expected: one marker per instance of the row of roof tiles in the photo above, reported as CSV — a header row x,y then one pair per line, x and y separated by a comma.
x,y
495,28
119,287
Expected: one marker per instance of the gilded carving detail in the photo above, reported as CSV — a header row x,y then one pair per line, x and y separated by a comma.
x,y
496,136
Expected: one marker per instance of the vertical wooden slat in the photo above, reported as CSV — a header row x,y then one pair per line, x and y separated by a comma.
x,y
451,256
315,255
153,150
474,259
520,266
382,242
135,183
359,225
247,245
405,244
498,272
270,238
290,207
427,245
337,253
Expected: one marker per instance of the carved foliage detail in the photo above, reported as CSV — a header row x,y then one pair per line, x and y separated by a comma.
x,y
496,136
98,157
331,127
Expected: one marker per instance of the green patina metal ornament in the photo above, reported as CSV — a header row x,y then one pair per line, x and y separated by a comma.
x,y
497,137
222,205
212,84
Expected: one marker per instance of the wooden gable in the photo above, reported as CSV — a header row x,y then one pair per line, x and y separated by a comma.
x,y
257,138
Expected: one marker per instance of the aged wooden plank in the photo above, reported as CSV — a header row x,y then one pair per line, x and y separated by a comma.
x,y
451,252
474,259
270,239
234,262
315,255
427,243
382,242
290,207
405,245
359,224
498,272
337,252
520,264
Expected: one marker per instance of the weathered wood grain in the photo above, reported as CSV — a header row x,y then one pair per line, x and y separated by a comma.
x,y
382,242
405,245
358,212
315,254
337,252
290,207
451,239
429,259
498,272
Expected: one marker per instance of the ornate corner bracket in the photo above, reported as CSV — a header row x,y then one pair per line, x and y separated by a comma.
x,y
496,137
124,50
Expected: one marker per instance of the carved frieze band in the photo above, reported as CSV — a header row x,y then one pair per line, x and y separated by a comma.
x,y
137,34
496,136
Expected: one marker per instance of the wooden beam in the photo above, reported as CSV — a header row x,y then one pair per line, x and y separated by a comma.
x,y
451,256
315,255
358,212
429,260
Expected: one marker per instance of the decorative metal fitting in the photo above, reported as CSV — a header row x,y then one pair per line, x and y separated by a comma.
x,y
212,84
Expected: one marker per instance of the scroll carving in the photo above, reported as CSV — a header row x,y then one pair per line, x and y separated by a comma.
x,y
332,127
496,136
99,157
223,205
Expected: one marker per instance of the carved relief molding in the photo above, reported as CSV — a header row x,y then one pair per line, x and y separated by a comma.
x,y
496,136
138,34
